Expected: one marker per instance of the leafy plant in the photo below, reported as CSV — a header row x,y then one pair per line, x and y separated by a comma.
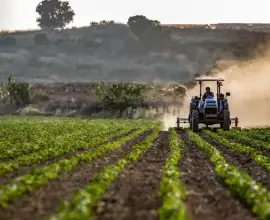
x,y
172,192
121,95
18,92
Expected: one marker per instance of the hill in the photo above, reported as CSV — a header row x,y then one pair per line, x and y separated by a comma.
x,y
110,52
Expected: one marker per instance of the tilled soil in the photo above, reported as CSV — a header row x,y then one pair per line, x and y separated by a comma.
x,y
207,198
26,169
44,202
134,194
243,162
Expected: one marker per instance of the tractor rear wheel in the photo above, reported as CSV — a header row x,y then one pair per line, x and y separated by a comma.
x,y
195,121
189,120
227,120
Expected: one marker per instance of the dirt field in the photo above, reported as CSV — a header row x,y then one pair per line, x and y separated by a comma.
x,y
115,169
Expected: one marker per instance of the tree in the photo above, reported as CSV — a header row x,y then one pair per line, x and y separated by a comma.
x,y
149,32
139,24
54,14
120,96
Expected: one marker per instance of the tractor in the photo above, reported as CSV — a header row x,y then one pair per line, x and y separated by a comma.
x,y
209,111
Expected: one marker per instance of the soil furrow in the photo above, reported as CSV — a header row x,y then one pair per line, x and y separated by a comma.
x,y
44,202
207,198
134,194
243,162
26,169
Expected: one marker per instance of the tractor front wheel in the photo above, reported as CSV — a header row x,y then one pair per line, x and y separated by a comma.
x,y
227,120
195,121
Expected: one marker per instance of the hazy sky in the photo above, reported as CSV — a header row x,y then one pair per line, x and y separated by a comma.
x,y
20,14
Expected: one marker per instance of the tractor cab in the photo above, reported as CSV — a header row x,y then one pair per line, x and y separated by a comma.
x,y
210,110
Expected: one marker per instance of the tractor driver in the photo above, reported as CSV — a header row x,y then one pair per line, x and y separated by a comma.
x,y
207,93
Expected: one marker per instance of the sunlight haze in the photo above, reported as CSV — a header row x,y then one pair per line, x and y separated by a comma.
x,y
18,14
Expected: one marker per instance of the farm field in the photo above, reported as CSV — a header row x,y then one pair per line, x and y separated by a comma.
x,y
103,169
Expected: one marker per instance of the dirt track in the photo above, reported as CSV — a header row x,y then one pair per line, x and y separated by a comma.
x,y
207,198
45,201
134,195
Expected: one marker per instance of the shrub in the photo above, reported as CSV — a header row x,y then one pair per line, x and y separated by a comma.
x,y
41,39
8,41
18,92
40,97
29,111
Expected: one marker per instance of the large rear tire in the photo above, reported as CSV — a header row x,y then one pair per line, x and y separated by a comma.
x,y
227,120
195,121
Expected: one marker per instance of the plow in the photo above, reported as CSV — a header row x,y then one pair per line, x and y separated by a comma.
x,y
209,110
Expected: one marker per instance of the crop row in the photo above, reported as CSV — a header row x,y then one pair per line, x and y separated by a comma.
x,y
82,203
256,134
172,192
243,138
88,139
262,131
25,131
254,154
40,176
12,131
35,136
240,183
52,142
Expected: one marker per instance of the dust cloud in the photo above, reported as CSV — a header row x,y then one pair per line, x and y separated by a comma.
x,y
249,85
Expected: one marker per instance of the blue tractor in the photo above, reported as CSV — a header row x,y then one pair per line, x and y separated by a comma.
x,y
210,110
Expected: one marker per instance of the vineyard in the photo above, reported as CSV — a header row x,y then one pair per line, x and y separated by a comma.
x,y
131,169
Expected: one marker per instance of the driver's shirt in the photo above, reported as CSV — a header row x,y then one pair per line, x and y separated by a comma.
x,y
207,94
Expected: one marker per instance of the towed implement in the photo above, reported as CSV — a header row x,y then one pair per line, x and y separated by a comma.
x,y
209,110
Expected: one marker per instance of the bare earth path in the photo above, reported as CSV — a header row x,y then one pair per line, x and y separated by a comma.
x,y
134,195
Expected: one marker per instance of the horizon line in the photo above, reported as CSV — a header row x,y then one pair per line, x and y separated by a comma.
x,y
173,24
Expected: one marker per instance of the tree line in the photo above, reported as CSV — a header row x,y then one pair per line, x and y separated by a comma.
x,y
55,14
